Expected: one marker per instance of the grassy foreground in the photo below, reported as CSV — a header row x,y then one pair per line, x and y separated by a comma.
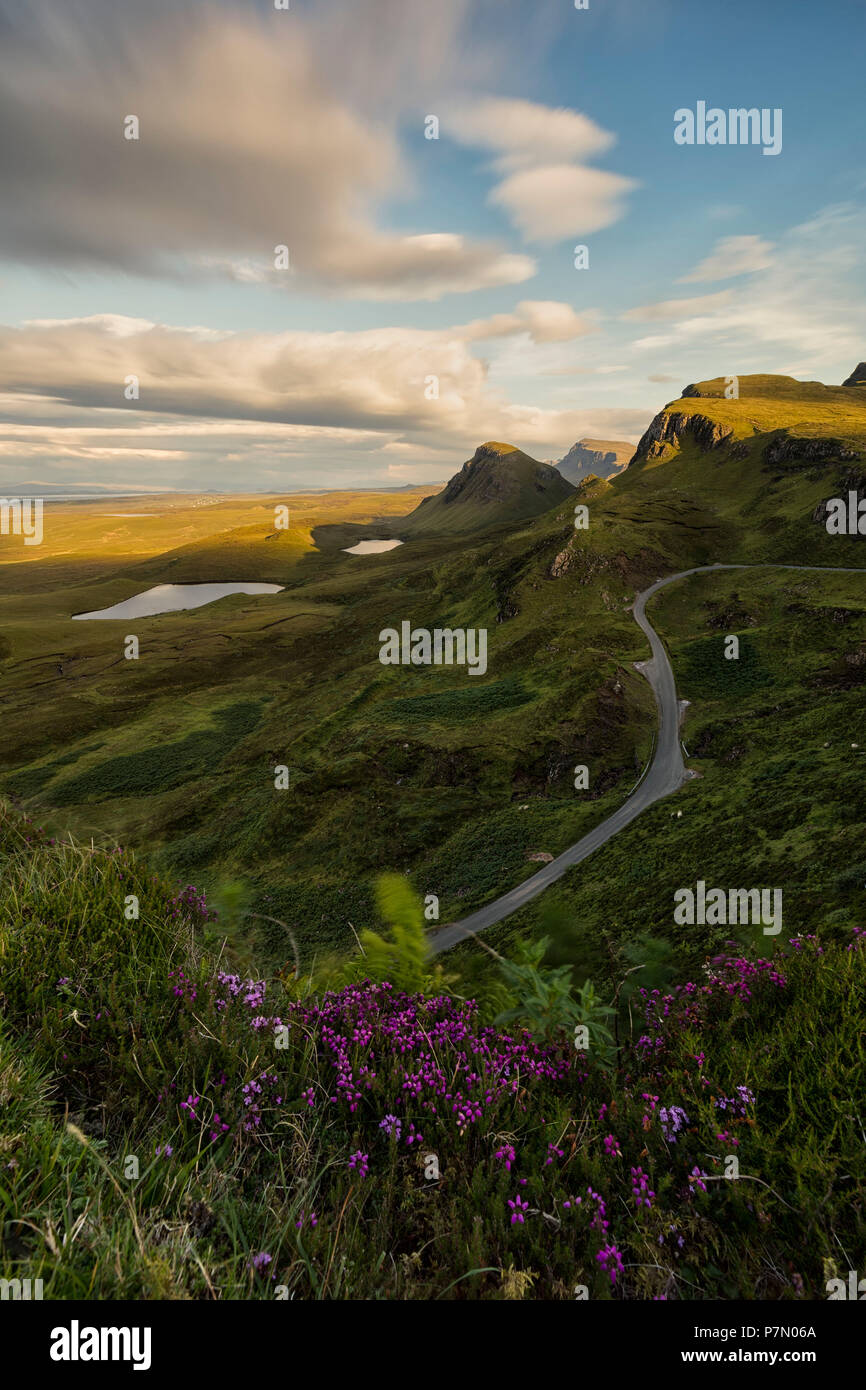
x,y
171,1129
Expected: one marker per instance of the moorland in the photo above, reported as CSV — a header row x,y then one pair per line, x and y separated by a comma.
x,y
136,777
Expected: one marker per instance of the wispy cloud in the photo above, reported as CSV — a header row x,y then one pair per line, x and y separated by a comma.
x,y
544,320
797,314
732,256
677,308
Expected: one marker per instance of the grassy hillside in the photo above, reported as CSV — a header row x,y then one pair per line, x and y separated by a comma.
x,y
154,1035
754,471
455,781
779,800
175,753
766,404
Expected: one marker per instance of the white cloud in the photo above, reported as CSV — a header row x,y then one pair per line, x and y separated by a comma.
x,y
556,201
547,190
732,256
308,404
801,307
545,320
524,132
367,379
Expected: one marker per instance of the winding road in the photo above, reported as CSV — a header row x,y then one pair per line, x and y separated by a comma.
x,y
666,774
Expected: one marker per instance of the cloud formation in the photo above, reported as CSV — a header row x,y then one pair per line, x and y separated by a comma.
x,y
522,132
547,190
732,256
795,317
209,402
545,320
244,145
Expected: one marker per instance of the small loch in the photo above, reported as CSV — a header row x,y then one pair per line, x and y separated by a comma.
x,y
173,598
371,547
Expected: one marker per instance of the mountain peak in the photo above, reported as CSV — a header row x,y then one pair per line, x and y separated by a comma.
x,y
603,457
497,450
499,483
858,376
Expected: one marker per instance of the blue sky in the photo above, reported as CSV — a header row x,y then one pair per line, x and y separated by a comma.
x,y
411,259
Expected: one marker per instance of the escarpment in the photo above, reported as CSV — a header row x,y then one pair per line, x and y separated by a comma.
x,y
666,433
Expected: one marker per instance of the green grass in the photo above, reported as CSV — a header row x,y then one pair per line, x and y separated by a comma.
x,y
333,714
458,705
705,676
765,403
780,799
166,766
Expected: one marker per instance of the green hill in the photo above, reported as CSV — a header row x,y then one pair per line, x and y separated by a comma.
x,y
124,1037
498,484
764,405
754,472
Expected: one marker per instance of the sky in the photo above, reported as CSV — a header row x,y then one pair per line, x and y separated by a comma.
x,y
428,168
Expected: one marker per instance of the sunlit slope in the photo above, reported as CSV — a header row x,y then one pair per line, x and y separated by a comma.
x,y
203,534
756,470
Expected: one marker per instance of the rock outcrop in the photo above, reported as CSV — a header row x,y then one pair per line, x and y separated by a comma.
x,y
667,429
789,449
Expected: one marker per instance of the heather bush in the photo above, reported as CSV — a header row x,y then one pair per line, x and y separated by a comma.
x,y
383,1137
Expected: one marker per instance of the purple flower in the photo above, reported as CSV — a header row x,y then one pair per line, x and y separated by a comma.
x,y
696,1177
611,1261
219,1128
641,1190
738,1104
518,1207
673,1118
260,1261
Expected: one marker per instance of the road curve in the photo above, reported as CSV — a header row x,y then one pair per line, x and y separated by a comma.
x,y
667,772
